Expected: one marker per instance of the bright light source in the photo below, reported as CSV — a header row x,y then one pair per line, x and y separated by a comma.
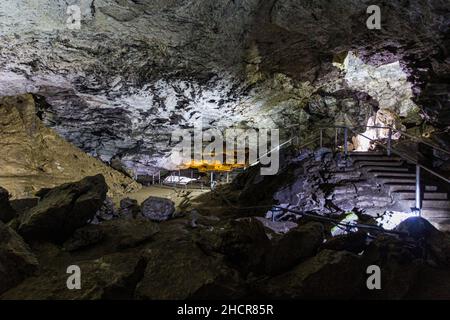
x,y
390,219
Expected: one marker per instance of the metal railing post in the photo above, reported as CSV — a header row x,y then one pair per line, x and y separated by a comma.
x,y
345,141
389,142
418,202
212,179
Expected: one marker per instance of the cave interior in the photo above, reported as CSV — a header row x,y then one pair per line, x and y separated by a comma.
x,y
228,149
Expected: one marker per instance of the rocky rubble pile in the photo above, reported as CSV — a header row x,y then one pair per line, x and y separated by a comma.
x,y
35,157
318,181
132,257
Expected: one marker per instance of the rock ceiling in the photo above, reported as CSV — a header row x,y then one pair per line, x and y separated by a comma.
x,y
138,69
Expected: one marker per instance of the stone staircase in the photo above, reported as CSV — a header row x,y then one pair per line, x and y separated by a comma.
x,y
398,179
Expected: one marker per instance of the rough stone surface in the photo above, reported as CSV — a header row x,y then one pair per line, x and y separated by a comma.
x,y
354,242
298,244
136,70
129,208
106,212
110,277
17,262
400,263
7,213
243,242
110,236
64,209
208,278
157,209
35,157
330,274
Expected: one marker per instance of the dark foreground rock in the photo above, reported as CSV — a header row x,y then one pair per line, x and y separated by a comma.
x,y
7,213
436,243
111,236
243,241
187,272
207,256
129,208
399,260
16,260
330,274
106,212
299,243
158,209
354,242
110,277
64,209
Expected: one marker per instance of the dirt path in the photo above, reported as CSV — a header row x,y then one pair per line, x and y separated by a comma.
x,y
177,195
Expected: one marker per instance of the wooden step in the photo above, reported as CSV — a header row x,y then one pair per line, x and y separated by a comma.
x,y
390,174
386,169
387,180
375,158
410,195
366,153
435,213
396,187
379,163
429,204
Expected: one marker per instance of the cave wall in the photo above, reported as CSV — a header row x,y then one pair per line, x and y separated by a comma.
x,y
137,70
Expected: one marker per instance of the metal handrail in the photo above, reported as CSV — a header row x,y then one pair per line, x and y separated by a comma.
x,y
401,132
408,158
395,130
395,151
281,145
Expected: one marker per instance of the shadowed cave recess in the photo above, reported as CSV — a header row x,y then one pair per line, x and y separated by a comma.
x,y
353,96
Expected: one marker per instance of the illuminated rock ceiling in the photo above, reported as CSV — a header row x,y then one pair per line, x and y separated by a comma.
x,y
136,70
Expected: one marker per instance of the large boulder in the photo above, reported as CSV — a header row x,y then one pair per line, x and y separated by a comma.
x,y
7,213
299,243
64,209
182,271
243,241
16,260
354,242
330,274
106,212
157,209
400,262
109,277
111,236
129,208
437,243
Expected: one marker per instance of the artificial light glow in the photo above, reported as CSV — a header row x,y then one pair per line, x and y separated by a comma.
x,y
390,219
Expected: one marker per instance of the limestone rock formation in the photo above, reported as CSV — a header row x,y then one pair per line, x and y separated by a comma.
x,y
157,209
109,277
208,276
34,156
296,245
330,274
133,71
17,262
64,209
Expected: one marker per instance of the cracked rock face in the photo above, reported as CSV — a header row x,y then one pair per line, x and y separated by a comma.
x,y
137,70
